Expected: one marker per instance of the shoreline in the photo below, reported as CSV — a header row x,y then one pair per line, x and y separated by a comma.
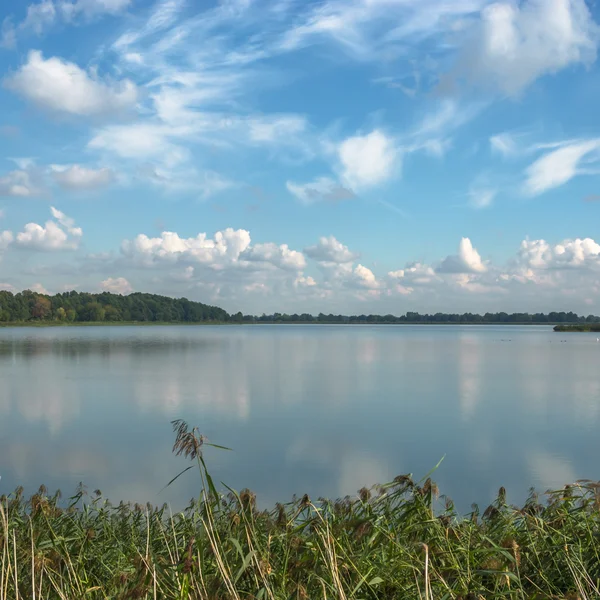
x,y
43,324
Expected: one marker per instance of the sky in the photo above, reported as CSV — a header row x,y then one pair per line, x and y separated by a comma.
x,y
345,156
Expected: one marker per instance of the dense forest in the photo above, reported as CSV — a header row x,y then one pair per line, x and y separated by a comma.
x,y
84,307
78,307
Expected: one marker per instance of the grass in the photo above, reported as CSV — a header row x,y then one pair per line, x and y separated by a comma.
x,y
584,327
386,543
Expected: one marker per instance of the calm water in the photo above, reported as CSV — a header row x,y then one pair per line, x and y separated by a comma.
x,y
316,409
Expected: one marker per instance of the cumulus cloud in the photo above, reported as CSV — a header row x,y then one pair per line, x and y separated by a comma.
x,y
118,285
577,253
466,261
78,177
62,86
368,160
562,164
59,234
330,250
515,44
279,256
304,282
363,277
225,246
419,274
321,189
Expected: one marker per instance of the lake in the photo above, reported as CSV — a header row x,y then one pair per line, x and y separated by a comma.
x,y
311,409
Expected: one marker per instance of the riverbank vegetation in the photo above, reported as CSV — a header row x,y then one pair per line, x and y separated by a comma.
x,y
31,308
392,541
580,327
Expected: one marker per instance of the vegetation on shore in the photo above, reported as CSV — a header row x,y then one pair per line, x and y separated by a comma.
x,y
389,542
31,308
581,327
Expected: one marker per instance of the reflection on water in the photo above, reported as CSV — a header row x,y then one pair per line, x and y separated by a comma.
x,y
317,409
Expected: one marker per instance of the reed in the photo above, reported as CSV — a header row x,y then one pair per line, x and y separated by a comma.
x,y
387,542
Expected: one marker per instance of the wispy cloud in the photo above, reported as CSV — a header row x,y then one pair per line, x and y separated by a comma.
x,y
321,189
559,166
41,16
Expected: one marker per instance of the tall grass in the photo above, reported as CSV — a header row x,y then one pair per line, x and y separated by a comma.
x,y
388,542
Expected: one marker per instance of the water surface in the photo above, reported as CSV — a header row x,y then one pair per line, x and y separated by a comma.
x,y
311,409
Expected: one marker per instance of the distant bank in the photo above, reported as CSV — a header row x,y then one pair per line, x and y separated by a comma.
x,y
80,308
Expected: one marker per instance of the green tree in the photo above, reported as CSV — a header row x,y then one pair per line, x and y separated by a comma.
x,y
61,313
92,311
111,313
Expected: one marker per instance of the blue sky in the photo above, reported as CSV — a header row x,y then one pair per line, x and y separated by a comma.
x,y
356,156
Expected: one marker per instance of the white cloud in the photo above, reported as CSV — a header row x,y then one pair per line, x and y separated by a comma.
x,y
371,30
414,275
433,133
39,16
321,189
466,261
62,86
516,44
559,166
504,144
330,250
279,256
142,141
482,197
577,253
226,246
275,127
77,177
38,288
364,277
368,160
185,179
118,285
419,274
6,238
19,184
212,183
481,193
60,234
304,282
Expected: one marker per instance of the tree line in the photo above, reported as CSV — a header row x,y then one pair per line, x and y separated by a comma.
x,y
73,307
85,307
